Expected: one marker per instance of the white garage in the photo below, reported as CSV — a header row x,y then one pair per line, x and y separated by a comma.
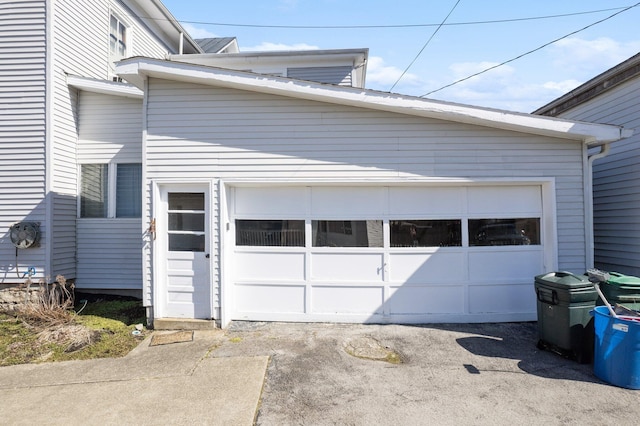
x,y
411,253
268,198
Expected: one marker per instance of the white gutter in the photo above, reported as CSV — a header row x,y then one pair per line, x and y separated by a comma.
x,y
588,201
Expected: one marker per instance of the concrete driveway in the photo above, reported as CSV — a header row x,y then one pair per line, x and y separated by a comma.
x,y
480,374
322,374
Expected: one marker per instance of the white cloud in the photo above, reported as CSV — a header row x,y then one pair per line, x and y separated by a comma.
x,y
196,32
268,47
500,88
382,76
562,87
590,57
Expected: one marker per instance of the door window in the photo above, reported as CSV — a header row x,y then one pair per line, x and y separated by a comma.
x,y
186,220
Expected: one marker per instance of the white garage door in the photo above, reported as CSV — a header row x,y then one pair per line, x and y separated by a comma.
x,y
385,254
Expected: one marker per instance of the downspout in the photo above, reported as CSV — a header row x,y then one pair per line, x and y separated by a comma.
x,y
181,48
588,197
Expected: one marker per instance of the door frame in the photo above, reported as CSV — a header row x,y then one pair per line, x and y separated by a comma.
x,y
160,248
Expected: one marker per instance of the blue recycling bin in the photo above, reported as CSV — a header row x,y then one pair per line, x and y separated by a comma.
x,y
616,357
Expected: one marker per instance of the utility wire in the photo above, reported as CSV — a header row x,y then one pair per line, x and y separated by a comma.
x,y
349,27
529,52
425,45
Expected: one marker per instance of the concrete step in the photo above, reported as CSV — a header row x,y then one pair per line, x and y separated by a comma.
x,y
183,324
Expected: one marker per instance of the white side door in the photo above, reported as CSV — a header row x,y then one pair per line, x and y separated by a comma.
x,y
183,222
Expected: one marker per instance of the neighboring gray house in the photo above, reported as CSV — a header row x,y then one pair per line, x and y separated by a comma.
x,y
612,97
272,186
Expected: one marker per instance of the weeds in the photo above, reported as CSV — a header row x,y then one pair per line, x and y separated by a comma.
x,y
47,328
53,305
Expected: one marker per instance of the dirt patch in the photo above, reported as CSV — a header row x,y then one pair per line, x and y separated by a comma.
x,y
370,348
176,337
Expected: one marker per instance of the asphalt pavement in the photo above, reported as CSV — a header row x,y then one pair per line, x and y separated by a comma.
x,y
323,374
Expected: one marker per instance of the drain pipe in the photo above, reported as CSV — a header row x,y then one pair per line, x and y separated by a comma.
x,y
588,197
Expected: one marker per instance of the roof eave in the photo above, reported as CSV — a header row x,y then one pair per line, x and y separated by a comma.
x,y
135,71
104,87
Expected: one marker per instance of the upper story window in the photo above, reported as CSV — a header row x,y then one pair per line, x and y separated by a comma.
x,y
117,39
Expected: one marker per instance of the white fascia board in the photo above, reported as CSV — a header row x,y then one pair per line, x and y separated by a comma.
x,y
134,70
105,87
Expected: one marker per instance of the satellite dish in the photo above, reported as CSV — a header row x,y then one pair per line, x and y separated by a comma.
x,y
24,234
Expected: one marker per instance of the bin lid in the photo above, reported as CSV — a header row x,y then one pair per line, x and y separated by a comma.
x,y
564,279
616,278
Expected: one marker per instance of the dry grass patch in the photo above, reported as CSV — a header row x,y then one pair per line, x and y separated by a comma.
x,y
49,329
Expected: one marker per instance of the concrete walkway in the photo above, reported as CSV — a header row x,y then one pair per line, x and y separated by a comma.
x,y
177,383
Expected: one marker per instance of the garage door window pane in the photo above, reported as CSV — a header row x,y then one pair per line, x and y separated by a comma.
x,y
347,233
282,233
426,233
504,232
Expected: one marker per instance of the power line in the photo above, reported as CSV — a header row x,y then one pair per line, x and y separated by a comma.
x,y
529,52
425,45
349,27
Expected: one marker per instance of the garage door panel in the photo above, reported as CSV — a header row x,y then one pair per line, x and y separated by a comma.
x,y
339,202
502,299
346,300
347,267
267,202
504,200
269,265
491,264
407,202
438,267
440,270
406,300
262,298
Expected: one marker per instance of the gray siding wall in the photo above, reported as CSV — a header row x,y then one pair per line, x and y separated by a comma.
x,y
81,48
22,131
197,132
616,189
109,250
332,75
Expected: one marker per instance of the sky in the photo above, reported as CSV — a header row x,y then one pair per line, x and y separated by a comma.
x,y
417,47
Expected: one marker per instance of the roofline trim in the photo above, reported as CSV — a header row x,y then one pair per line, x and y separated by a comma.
x,y
137,69
105,87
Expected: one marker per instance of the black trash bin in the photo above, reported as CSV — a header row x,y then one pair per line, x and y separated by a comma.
x,y
565,325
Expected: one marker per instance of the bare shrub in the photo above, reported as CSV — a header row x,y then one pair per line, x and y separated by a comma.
x,y
54,303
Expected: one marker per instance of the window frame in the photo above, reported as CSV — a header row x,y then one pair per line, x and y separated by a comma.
x,y
111,196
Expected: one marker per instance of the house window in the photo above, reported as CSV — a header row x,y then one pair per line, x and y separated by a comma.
x,y
111,190
426,233
94,190
504,232
128,190
282,233
117,39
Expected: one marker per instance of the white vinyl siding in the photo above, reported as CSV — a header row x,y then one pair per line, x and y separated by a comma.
x,y
22,130
110,132
109,254
332,75
199,132
80,47
616,188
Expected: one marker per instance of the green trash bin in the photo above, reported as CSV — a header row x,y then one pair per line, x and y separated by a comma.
x,y
622,290
565,325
